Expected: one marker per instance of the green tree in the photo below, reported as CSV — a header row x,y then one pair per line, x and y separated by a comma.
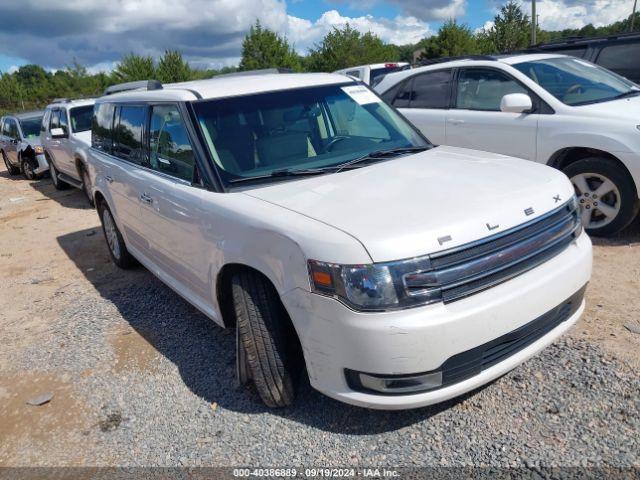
x,y
346,47
511,30
173,68
263,48
134,67
453,39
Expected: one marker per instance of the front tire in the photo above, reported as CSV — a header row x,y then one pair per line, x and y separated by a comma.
x,y
607,195
117,248
86,185
265,334
10,168
55,178
27,169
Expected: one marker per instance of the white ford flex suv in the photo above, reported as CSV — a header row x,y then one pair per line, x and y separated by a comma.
x,y
303,211
65,136
553,109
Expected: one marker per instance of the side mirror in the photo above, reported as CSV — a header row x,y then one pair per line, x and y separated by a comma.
x,y
516,103
58,133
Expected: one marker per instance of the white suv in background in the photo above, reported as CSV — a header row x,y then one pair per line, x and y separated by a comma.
x,y
372,74
302,211
65,135
553,109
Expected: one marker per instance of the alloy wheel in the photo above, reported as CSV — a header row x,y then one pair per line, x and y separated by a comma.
x,y
111,233
599,199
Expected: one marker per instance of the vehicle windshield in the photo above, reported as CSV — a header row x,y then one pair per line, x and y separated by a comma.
x,y
31,126
81,118
576,82
305,128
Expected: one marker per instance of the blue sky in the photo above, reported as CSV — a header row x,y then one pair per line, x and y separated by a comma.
x,y
98,32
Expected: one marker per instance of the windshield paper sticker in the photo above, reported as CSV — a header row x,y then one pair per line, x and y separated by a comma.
x,y
362,95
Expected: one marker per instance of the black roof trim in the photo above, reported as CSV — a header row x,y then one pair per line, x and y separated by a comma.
x,y
262,71
432,61
140,85
569,41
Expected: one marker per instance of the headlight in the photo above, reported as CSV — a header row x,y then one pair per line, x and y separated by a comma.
x,y
377,286
38,149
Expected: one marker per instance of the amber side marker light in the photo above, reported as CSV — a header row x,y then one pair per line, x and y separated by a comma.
x,y
321,276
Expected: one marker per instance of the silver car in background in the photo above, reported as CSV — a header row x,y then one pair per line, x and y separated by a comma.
x,y
20,146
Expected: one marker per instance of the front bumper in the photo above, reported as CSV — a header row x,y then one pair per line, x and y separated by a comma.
x,y
43,165
335,338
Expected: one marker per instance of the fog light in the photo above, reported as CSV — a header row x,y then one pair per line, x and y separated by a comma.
x,y
394,384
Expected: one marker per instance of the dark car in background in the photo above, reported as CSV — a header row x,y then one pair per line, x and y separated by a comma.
x,y
20,146
618,53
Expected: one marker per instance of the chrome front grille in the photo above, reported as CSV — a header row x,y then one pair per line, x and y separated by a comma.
x,y
471,268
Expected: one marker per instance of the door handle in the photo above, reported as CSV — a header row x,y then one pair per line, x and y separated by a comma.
x,y
108,178
146,198
456,121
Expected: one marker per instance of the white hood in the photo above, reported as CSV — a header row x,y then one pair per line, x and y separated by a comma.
x,y
408,206
628,108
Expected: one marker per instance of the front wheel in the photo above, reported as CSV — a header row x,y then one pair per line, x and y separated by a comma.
x,y
86,185
55,178
266,345
27,169
117,248
606,193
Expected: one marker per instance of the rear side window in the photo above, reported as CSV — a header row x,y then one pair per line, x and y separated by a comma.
x,y
431,90
127,138
483,89
102,125
622,59
81,118
11,128
354,73
170,151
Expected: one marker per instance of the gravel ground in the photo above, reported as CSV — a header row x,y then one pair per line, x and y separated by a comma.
x,y
572,405
140,378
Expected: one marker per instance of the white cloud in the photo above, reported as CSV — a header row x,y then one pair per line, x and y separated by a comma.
x,y
488,25
400,30
421,9
13,69
562,14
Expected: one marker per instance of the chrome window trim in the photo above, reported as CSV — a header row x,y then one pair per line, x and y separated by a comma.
x,y
150,170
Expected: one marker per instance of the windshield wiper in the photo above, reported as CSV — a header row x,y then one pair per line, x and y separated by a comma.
x,y
303,172
379,154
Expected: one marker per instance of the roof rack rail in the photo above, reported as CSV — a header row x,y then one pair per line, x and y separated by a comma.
x,y
140,85
431,61
584,39
262,71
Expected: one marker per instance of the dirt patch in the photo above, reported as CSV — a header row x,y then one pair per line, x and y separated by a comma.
x,y
132,351
27,429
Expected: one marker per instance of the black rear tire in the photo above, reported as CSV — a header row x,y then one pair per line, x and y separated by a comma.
x,y
115,243
600,167
10,168
265,332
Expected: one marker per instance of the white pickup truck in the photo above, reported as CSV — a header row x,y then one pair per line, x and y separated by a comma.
x,y
304,212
